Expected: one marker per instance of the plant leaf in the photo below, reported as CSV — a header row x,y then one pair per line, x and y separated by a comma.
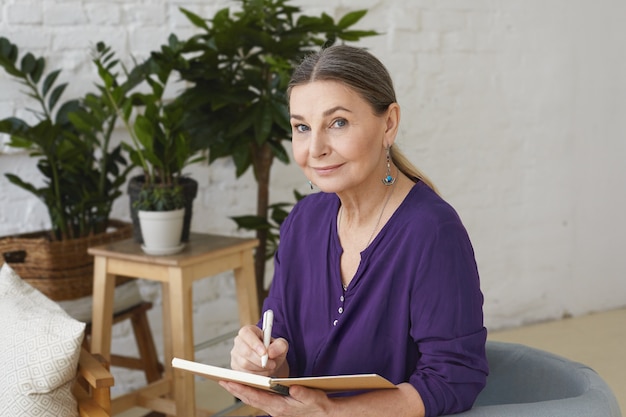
x,y
25,185
355,35
28,63
251,222
279,151
195,19
48,82
55,95
351,18
144,131
40,65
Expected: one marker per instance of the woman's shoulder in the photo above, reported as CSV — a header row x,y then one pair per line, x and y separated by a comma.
x,y
425,217
424,214
423,203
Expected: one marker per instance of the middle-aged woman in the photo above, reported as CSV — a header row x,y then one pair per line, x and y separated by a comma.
x,y
375,273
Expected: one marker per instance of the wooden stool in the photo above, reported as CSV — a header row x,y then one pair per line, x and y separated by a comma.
x,y
204,256
148,360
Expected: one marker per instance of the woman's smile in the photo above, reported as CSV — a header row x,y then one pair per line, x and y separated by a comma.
x,y
326,170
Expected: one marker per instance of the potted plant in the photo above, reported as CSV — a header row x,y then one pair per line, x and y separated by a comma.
x,y
161,146
237,69
83,174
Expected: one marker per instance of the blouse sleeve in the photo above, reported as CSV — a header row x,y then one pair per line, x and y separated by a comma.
x,y
277,290
447,323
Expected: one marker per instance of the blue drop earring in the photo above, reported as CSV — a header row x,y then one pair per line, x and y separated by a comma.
x,y
311,184
388,180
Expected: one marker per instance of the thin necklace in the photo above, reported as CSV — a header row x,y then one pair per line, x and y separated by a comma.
x,y
380,216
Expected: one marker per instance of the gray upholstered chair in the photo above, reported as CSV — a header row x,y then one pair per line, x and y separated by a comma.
x,y
527,382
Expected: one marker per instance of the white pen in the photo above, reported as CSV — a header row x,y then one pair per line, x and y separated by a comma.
x,y
268,321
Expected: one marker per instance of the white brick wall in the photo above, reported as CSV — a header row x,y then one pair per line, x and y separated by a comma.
x,y
516,109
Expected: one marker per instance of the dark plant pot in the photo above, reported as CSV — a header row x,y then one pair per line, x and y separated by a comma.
x,y
190,190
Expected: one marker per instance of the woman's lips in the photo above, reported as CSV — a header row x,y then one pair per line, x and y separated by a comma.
x,y
326,170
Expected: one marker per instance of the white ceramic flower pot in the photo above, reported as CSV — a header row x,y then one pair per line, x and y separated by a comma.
x,y
162,231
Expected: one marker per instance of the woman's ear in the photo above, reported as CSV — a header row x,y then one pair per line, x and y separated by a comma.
x,y
392,121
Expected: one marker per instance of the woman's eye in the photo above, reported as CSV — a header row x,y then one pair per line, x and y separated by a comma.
x,y
340,123
301,128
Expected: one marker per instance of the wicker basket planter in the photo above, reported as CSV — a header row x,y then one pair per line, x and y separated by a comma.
x,y
63,270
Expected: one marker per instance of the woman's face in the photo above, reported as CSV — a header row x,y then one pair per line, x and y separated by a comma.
x,y
337,139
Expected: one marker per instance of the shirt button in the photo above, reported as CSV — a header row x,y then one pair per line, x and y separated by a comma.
x,y
335,322
341,298
340,310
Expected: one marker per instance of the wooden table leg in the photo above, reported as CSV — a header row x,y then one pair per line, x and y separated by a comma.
x,y
102,313
182,342
167,330
245,283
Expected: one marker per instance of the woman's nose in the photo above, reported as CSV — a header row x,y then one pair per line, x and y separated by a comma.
x,y
318,146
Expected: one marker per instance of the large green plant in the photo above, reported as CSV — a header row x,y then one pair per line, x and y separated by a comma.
x,y
161,144
83,172
238,68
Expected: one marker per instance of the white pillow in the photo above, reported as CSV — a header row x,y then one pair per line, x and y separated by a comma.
x,y
40,345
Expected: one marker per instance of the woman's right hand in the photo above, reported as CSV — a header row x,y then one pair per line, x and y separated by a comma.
x,y
248,349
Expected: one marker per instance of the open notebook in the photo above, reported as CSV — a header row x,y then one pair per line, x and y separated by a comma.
x,y
337,383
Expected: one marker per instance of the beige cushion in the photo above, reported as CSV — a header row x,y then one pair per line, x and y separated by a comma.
x,y
39,344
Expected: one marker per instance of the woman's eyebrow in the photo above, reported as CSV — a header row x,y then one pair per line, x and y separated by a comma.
x,y
326,113
335,109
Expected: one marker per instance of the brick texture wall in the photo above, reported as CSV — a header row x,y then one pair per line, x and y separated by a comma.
x,y
515,109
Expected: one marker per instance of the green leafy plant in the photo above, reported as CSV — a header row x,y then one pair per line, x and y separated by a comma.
x,y
278,212
238,68
83,172
160,140
160,197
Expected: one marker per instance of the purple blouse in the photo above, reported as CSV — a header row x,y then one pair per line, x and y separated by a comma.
x,y
412,312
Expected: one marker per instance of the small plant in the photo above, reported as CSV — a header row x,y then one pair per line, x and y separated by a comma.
x,y
160,198
71,141
160,140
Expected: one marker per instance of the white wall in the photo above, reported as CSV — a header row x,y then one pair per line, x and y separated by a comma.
x,y
516,110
